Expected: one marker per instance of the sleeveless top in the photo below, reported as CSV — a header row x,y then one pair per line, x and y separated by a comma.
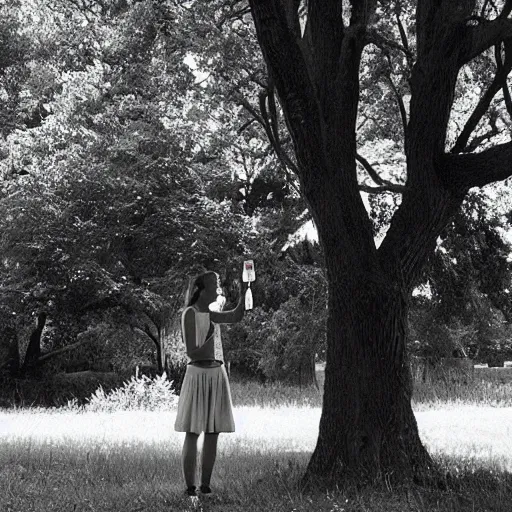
x,y
202,324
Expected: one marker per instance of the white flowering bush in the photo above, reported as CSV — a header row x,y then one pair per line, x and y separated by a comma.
x,y
139,393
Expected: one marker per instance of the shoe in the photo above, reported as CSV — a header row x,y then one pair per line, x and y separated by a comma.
x,y
205,489
191,491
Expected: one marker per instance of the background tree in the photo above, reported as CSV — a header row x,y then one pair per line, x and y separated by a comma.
x,y
282,339
469,284
116,188
110,211
367,428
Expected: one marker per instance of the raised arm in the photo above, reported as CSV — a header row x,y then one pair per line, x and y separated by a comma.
x,y
232,316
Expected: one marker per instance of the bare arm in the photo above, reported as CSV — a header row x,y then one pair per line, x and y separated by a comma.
x,y
232,316
228,317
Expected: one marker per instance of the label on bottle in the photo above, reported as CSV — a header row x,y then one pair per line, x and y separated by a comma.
x,y
248,272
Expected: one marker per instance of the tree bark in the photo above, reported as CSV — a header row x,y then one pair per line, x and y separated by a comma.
x,y
34,346
368,431
63,350
305,375
9,353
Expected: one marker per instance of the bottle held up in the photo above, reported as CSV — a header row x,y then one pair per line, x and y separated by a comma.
x,y
248,276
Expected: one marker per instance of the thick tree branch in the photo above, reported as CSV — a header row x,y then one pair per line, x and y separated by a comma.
x,y
508,99
507,9
325,32
498,83
289,72
486,35
63,350
291,8
362,11
384,185
464,171
403,36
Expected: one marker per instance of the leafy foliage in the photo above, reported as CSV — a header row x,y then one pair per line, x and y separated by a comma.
x,y
281,339
139,393
469,279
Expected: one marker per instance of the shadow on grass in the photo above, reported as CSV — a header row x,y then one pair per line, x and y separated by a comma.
x,y
275,485
147,477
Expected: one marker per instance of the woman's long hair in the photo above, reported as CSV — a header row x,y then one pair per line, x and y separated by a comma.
x,y
195,285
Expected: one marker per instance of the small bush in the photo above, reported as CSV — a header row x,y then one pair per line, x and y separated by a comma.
x,y
139,393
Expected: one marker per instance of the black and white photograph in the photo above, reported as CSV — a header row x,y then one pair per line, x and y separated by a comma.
x,y
255,255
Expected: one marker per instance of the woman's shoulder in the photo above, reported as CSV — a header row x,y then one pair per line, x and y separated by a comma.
x,y
188,310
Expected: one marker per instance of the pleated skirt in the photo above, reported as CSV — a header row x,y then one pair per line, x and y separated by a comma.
x,y
205,402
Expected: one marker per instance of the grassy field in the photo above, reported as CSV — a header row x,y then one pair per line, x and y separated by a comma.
x,y
57,460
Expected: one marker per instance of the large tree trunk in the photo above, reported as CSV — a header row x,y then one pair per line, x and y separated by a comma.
x,y
9,350
307,370
34,346
304,374
367,428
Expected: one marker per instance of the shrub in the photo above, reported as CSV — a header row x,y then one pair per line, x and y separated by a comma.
x,y
139,393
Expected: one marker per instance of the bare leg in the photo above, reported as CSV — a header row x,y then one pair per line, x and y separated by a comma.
x,y
189,458
209,455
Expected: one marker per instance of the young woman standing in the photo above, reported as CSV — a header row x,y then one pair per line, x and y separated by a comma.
x,y
205,399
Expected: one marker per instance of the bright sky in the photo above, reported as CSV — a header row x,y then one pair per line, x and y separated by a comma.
x,y
191,62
